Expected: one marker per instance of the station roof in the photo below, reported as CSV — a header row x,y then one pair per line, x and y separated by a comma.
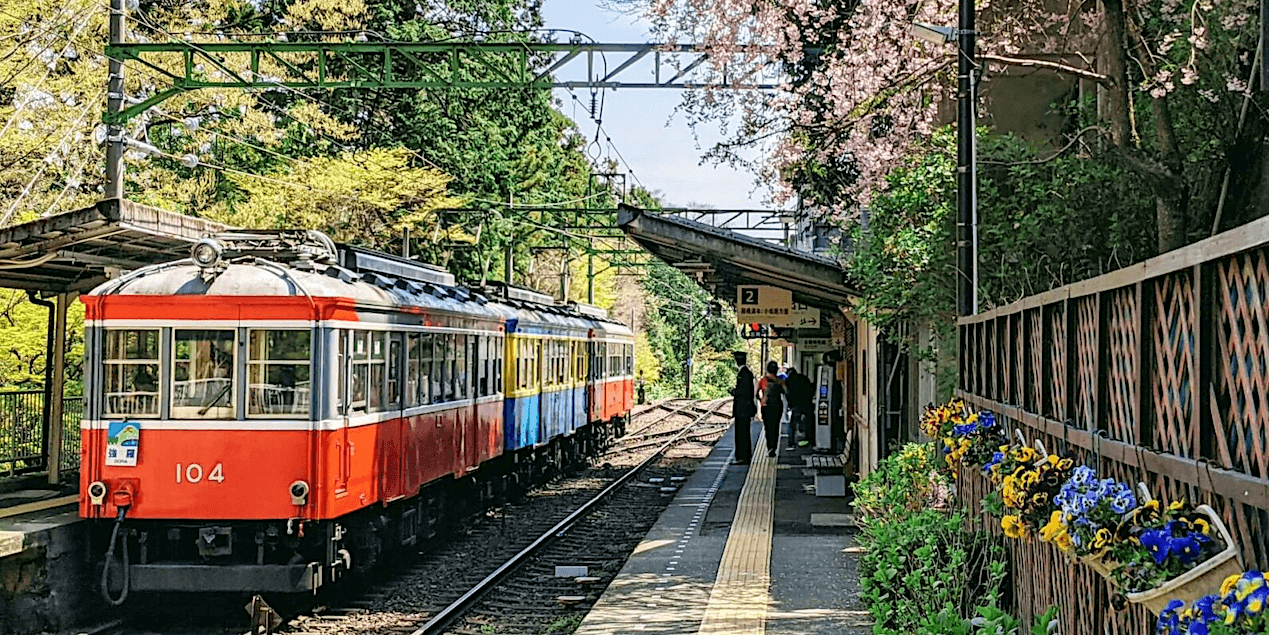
x,y
723,259
70,252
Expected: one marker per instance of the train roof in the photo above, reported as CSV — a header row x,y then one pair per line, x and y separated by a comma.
x,y
307,264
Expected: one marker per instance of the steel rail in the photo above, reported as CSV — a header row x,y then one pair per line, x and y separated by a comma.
x,y
673,410
449,614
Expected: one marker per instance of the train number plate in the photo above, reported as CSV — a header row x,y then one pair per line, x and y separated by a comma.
x,y
197,473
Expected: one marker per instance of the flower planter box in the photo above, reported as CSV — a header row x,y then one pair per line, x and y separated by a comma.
x,y
1201,580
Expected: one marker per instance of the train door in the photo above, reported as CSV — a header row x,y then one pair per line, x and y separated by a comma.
x,y
473,435
342,456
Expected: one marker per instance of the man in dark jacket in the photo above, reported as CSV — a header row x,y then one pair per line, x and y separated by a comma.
x,y
801,395
743,409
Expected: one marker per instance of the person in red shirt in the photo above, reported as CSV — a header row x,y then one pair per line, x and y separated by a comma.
x,y
771,394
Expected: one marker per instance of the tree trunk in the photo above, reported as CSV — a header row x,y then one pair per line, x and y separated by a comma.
x,y
1166,174
1172,191
1117,70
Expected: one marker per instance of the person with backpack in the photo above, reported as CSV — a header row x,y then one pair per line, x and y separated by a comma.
x,y
801,397
771,394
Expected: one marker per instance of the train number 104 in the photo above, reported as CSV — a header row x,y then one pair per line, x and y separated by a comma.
x,y
193,473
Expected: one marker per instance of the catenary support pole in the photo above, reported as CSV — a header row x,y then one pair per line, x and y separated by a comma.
x,y
966,170
590,273
687,379
114,104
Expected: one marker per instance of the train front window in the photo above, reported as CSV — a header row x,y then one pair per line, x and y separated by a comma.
x,y
203,363
132,373
278,372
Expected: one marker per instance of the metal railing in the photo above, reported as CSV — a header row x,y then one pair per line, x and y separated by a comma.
x,y
22,432
1156,373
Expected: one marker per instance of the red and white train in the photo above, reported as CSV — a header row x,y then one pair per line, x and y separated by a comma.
x,y
278,410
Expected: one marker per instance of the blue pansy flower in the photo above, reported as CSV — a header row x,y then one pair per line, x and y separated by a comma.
x,y
1170,617
1187,549
1158,542
987,419
1123,503
1205,607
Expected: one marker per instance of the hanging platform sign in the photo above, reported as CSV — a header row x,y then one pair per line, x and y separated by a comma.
x,y
774,306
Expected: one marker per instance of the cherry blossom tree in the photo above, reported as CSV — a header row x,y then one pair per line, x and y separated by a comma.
x,y
862,93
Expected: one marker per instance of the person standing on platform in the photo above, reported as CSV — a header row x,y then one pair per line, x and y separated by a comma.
x,y
771,392
801,395
743,409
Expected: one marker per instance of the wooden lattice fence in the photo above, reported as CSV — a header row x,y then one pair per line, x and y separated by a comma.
x,y
1157,373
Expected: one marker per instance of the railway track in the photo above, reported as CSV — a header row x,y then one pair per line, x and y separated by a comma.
x,y
591,520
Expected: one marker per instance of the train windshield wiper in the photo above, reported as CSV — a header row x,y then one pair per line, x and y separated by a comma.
x,y
221,395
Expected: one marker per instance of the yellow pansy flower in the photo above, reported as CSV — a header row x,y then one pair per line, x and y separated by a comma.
x,y
1013,526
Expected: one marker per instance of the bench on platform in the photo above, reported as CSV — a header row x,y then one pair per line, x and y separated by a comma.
x,y
830,477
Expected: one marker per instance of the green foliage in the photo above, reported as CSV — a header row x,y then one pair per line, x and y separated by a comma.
x,y
23,328
921,572
904,482
1042,223
713,338
919,564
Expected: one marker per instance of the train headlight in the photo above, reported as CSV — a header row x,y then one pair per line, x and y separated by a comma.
x,y
97,493
299,493
206,253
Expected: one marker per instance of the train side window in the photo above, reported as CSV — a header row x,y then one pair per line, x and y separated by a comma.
x,y
340,372
378,357
496,358
484,364
203,365
394,371
461,372
440,349
413,346
132,373
278,374
360,371
427,375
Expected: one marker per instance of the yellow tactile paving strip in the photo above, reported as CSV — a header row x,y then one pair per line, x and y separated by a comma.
x,y
740,598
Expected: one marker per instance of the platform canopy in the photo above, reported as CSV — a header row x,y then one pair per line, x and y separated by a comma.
x,y
71,252
722,259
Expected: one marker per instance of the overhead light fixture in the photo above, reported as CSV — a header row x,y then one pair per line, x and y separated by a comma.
x,y
206,253
934,34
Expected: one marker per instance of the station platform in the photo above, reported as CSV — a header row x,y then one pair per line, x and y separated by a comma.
x,y
742,550
45,581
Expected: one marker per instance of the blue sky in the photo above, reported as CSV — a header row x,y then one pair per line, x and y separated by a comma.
x,y
656,143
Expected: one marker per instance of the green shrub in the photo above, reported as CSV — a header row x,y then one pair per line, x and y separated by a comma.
x,y
919,568
904,482
921,572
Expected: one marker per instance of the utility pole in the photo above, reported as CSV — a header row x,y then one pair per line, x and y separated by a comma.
x,y
691,314
114,104
966,164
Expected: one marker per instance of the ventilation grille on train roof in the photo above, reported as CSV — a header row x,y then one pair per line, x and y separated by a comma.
x,y
505,291
364,260
589,310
